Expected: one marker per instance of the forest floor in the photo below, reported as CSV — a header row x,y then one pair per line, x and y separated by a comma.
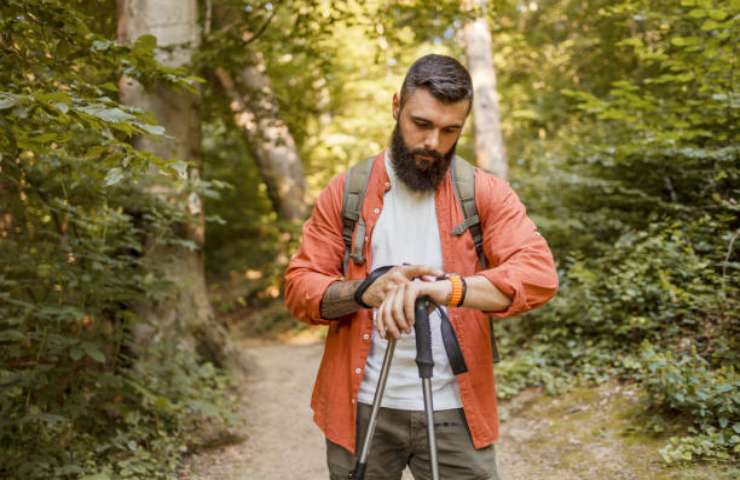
x,y
588,433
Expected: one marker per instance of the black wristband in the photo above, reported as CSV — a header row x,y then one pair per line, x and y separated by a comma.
x,y
465,290
374,275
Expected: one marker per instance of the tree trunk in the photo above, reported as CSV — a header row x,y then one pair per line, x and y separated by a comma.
x,y
489,143
186,316
256,115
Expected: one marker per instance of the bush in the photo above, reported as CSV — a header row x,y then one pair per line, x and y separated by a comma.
x,y
638,200
78,396
687,385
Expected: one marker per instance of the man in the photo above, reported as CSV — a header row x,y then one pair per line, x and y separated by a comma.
x,y
410,210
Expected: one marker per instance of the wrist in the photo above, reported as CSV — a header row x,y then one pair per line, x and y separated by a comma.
x,y
456,290
367,282
444,290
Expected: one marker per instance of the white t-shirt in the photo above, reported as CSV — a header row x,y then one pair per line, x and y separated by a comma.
x,y
407,231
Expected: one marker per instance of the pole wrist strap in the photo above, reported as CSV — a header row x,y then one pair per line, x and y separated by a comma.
x,y
369,280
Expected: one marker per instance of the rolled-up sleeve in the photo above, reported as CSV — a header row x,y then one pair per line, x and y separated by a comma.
x,y
522,266
318,261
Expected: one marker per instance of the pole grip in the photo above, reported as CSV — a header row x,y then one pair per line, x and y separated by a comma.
x,y
424,359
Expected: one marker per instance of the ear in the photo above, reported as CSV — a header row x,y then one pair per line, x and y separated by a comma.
x,y
396,106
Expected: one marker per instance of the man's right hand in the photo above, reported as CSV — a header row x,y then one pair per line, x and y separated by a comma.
x,y
376,293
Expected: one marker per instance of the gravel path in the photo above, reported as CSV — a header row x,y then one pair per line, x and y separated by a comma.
x,y
280,440
575,436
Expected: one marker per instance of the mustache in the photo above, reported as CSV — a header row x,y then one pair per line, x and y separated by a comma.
x,y
427,153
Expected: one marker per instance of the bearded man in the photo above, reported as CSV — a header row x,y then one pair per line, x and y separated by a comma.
x,y
410,211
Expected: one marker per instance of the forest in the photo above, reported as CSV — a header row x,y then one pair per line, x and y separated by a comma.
x,y
158,159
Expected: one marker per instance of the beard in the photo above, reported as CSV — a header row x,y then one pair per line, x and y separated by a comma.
x,y
421,176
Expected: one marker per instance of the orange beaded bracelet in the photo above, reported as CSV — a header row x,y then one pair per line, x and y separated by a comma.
x,y
457,291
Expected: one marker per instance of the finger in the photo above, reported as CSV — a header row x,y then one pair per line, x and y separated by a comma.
x,y
413,271
397,310
379,323
409,303
380,320
387,318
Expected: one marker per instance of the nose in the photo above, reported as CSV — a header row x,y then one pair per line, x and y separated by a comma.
x,y
431,142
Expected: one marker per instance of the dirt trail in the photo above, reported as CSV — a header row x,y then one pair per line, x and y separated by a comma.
x,y
280,440
576,436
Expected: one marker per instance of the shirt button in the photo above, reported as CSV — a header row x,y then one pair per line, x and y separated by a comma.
x,y
354,401
366,337
358,371
376,211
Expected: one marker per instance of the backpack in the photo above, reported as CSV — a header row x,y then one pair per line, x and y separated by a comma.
x,y
463,177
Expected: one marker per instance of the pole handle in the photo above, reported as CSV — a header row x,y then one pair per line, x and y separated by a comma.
x,y
422,328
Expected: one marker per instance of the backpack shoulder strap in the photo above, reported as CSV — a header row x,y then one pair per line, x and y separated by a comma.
x,y
463,176
355,188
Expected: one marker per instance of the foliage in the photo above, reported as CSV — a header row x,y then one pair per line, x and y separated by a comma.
x,y
710,397
639,201
618,119
76,399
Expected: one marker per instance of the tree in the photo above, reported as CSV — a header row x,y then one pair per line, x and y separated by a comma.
x,y
173,25
489,145
256,114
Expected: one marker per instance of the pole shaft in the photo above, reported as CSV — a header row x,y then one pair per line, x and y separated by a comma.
x,y
377,400
431,437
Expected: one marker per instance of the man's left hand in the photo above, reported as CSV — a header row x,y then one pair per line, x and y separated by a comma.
x,y
396,313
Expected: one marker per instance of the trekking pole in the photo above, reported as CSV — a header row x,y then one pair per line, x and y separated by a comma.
x,y
425,362
359,471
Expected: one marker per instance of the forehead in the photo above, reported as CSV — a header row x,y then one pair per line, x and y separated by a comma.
x,y
421,103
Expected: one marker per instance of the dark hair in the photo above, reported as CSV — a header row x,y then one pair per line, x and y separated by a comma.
x,y
444,77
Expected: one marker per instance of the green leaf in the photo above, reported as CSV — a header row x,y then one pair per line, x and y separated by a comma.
x,y
206,408
53,97
181,168
151,129
100,45
62,107
113,176
684,41
93,352
717,14
70,469
145,43
97,476
12,336
7,100
108,114
76,354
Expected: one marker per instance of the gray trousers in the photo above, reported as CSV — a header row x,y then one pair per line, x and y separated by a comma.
x,y
400,440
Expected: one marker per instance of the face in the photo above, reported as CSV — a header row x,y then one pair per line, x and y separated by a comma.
x,y
425,138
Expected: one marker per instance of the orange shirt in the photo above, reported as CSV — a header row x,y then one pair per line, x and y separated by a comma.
x,y
522,268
